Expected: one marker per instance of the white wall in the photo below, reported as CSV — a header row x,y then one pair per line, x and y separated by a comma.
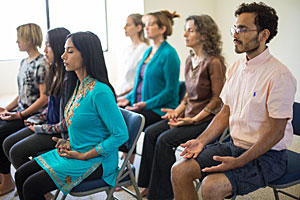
x,y
117,12
184,9
283,46
8,74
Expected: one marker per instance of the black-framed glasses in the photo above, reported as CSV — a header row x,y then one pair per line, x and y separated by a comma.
x,y
240,31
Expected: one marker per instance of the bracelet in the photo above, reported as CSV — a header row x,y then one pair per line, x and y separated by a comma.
x,y
22,117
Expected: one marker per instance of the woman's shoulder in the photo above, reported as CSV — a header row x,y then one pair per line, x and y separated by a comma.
x,y
143,46
100,88
40,60
188,58
213,60
168,49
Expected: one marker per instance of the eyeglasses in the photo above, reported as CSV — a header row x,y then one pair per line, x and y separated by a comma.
x,y
239,31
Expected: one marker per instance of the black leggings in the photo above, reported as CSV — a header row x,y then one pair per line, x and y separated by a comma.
x,y
33,182
24,143
7,127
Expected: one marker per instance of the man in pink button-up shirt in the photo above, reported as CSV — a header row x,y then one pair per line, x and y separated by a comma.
x,y
258,99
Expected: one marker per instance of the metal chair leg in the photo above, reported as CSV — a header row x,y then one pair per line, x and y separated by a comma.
x,y
56,194
275,194
63,197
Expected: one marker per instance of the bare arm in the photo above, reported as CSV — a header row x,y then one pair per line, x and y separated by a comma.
x,y
12,104
38,104
201,115
215,128
267,139
180,108
173,114
217,77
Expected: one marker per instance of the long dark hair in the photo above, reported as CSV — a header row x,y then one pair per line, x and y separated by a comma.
x,y
56,40
89,45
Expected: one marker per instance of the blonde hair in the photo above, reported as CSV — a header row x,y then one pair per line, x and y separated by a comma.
x,y
165,18
31,33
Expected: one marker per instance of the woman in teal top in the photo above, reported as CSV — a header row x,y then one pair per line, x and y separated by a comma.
x,y
157,79
156,83
95,125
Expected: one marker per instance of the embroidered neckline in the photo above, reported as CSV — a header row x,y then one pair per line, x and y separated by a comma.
x,y
80,91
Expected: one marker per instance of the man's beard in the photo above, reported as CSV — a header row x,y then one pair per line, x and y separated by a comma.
x,y
249,48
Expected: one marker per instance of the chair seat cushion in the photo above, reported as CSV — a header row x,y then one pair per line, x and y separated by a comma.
x,y
96,183
292,175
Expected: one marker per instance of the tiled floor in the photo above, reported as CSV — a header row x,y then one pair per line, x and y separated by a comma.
x,y
264,193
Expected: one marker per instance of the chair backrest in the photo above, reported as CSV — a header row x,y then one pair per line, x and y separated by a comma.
x,y
182,90
296,118
135,123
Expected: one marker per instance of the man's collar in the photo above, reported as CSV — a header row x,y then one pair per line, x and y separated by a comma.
x,y
257,61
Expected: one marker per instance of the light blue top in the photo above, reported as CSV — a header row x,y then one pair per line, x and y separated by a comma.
x,y
94,121
161,79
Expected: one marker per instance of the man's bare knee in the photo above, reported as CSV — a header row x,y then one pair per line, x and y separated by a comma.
x,y
185,170
215,186
207,186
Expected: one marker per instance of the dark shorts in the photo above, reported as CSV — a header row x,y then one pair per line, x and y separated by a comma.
x,y
256,174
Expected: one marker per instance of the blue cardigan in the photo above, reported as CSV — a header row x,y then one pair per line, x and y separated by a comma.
x,y
161,80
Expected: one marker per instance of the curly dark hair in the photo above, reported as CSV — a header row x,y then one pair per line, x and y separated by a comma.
x,y
266,17
206,26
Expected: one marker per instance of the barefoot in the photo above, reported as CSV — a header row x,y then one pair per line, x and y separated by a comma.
x,y
7,184
118,189
48,196
6,188
144,192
